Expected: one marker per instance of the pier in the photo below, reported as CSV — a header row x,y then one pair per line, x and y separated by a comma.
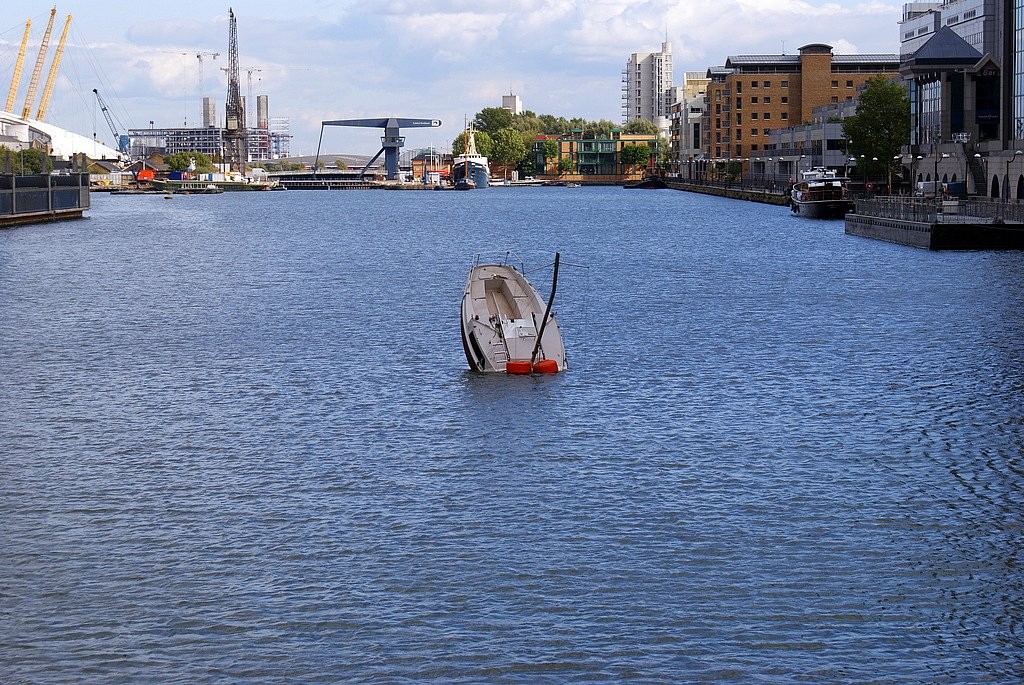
x,y
966,224
41,198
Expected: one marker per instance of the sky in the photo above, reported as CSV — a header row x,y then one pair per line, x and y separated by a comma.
x,y
433,59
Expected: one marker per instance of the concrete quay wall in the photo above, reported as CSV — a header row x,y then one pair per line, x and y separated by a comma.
x,y
731,193
937,236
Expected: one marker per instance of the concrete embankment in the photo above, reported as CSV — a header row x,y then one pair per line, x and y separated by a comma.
x,y
733,193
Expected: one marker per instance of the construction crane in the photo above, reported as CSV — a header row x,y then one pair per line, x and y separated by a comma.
x,y
200,56
235,138
16,81
121,140
248,73
30,97
52,76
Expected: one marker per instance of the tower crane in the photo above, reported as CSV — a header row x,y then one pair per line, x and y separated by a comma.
x,y
200,56
16,80
249,102
30,97
122,140
52,76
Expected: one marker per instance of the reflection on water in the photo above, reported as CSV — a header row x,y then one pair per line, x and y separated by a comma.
x,y
241,443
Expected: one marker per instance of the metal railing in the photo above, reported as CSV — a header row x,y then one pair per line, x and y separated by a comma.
x,y
939,211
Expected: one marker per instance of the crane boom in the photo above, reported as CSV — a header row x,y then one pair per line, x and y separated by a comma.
x,y
16,80
106,115
52,76
30,97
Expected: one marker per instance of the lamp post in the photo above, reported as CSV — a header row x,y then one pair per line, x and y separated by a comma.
x,y
1006,176
984,171
935,177
896,158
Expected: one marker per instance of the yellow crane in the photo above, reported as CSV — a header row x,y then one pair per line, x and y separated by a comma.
x,y
30,97
16,81
52,76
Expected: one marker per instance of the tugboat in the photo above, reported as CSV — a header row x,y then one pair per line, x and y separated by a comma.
x,y
471,165
820,194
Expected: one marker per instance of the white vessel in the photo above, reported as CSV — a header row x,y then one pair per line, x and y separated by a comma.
x,y
506,326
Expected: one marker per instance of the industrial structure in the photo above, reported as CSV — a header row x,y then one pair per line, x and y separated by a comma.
x,y
391,142
235,152
19,130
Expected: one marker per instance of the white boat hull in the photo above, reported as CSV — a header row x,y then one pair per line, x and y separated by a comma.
x,y
501,319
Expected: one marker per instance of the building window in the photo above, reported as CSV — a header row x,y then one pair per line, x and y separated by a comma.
x,y
753,84
767,100
739,87
753,115
767,131
739,150
835,84
785,99
753,100
835,99
784,116
739,103
739,134
739,118
784,84
767,115
849,84
753,131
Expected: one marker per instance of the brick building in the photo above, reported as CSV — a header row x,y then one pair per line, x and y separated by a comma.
x,y
751,95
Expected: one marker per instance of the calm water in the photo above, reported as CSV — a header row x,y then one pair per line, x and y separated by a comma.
x,y
238,443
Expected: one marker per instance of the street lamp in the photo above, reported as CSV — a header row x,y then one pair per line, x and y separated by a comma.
x,y
896,158
1006,176
935,177
984,171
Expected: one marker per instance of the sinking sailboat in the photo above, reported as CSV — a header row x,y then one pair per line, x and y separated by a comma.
x,y
506,326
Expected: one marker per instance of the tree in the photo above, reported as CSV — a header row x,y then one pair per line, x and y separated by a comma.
x,y
180,161
633,155
482,140
641,126
550,149
508,147
30,161
340,163
490,120
881,124
566,166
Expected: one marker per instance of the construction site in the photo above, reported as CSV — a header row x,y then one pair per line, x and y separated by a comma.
x,y
236,141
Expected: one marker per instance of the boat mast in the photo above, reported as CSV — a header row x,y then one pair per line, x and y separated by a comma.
x,y
544,321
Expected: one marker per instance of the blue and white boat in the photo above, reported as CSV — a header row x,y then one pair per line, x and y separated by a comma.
x,y
471,164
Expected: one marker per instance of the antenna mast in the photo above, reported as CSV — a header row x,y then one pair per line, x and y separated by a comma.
x,y
235,144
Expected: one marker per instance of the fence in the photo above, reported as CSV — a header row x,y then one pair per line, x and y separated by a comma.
x,y
43,193
937,211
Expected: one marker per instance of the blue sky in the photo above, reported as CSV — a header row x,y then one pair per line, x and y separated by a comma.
x,y
418,58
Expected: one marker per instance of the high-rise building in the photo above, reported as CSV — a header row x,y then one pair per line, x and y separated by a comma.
x,y
647,87
512,103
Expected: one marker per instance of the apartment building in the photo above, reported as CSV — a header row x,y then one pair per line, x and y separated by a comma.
x,y
647,87
686,118
750,95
